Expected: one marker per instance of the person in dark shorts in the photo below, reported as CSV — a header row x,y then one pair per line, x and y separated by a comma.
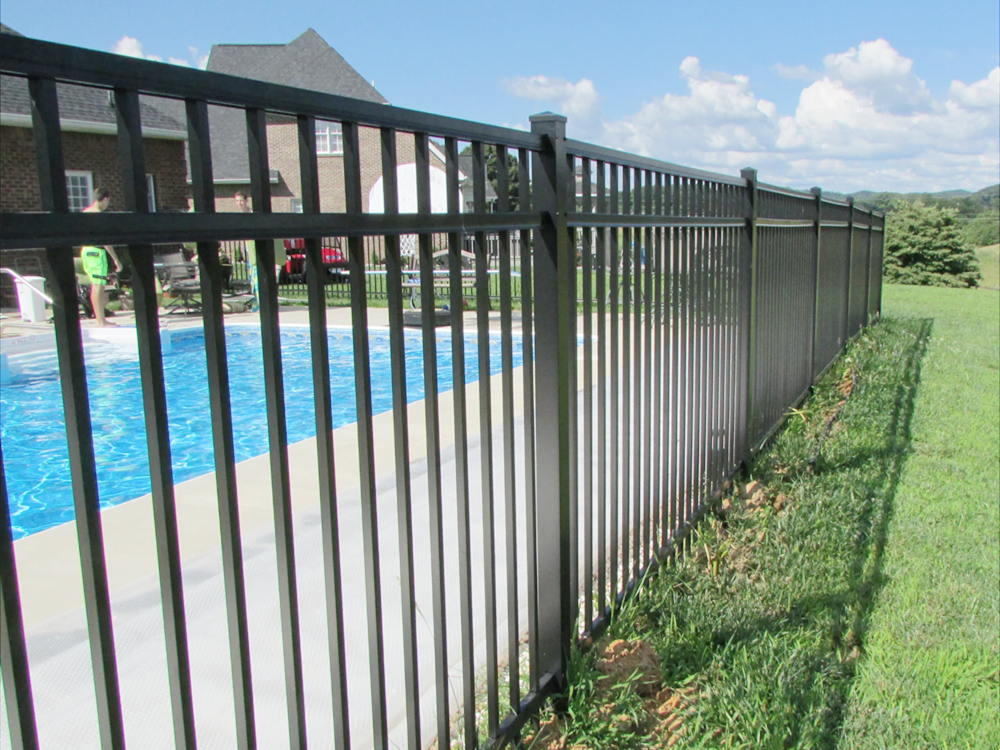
x,y
95,261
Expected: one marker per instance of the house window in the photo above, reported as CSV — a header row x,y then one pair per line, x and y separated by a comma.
x,y
329,138
296,205
79,189
151,193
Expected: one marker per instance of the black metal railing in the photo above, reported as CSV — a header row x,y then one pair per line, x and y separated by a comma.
x,y
668,320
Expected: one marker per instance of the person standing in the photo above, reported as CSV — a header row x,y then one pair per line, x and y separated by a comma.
x,y
95,261
243,207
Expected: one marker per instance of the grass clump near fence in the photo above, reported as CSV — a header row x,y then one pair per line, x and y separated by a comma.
x,y
847,595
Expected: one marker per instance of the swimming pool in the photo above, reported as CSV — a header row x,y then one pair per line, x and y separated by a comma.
x,y
33,428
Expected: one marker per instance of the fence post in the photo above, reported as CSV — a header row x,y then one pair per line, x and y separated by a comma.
x,y
555,391
817,249
881,266
868,267
850,254
748,310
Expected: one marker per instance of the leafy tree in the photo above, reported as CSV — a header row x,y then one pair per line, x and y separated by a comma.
x,y
490,153
923,246
984,229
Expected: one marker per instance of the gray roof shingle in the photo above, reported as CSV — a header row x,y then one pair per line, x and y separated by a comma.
x,y
307,62
81,104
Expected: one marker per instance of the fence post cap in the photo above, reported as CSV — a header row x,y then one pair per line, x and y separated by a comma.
x,y
817,191
749,173
547,117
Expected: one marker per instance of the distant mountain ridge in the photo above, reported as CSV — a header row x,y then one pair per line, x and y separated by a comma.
x,y
988,196
977,215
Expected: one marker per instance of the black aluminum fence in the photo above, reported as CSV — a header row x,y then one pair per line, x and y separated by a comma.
x,y
668,319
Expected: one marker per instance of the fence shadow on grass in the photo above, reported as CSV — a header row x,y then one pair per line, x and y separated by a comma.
x,y
794,644
886,461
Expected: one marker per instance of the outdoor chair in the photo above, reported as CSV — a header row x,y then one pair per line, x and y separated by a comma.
x,y
442,279
179,278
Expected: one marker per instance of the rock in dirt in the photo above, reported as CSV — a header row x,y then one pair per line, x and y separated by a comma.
x,y
758,500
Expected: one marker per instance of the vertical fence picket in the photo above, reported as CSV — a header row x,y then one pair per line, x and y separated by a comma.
x,y
401,442
614,453
432,425
602,391
659,365
329,515
202,188
277,433
366,447
628,300
132,161
588,404
526,199
486,438
647,351
509,468
461,450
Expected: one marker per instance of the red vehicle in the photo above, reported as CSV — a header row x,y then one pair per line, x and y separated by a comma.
x,y
294,269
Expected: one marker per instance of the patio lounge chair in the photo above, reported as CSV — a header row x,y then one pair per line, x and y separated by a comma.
x,y
179,278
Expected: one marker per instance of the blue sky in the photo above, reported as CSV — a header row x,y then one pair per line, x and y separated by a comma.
x,y
886,95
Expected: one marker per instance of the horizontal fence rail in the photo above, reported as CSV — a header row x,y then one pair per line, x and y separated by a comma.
x,y
618,341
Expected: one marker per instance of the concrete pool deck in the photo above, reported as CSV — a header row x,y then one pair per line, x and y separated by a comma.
x,y
51,588
132,559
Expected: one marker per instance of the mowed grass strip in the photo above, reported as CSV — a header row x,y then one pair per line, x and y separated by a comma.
x,y
989,266
929,678
851,600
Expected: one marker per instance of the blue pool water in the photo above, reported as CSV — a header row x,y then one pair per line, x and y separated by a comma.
x,y
33,432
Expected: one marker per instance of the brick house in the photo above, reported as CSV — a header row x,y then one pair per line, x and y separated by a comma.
x,y
307,62
90,150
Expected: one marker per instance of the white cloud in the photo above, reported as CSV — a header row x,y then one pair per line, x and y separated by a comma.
x,y
876,71
984,94
573,99
201,61
865,121
719,115
128,46
132,47
797,72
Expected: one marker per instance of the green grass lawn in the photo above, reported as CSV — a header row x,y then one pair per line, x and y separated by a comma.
x,y
989,266
930,673
855,602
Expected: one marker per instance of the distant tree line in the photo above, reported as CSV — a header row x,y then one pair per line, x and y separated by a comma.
x,y
976,215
